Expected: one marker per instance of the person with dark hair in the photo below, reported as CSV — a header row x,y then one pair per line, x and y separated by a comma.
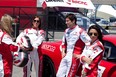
x,y
91,56
73,42
36,36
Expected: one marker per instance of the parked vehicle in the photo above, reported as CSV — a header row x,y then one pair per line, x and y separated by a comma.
x,y
103,22
52,56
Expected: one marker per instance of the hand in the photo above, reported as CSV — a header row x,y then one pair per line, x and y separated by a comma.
x,y
83,73
87,60
26,49
63,54
77,56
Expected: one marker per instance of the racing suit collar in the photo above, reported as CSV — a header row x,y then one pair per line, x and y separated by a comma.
x,y
73,27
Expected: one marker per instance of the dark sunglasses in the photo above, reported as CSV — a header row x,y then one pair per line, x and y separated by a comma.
x,y
36,21
95,34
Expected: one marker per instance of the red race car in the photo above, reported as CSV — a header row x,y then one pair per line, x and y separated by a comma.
x,y
51,57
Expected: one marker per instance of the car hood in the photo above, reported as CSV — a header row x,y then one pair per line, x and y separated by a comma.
x,y
111,38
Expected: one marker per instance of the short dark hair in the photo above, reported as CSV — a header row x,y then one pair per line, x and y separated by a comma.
x,y
72,17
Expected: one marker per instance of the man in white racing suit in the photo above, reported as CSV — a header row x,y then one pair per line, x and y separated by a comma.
x,y
73,42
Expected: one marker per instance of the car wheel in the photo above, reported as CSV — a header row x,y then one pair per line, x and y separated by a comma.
x,y
48,68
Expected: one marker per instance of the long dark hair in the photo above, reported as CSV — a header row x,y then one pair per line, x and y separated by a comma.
x,y
100,35
36,16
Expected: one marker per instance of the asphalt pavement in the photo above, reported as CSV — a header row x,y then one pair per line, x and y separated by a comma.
x,y
18,72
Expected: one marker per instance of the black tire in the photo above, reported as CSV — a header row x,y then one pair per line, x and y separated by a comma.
x,y
48,68
112,70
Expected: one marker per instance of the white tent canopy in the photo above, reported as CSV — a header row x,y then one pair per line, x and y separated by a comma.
x,y
106,11
87,4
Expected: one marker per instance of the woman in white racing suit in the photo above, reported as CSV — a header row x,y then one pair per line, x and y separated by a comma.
x,y
7,46
91,56
36,36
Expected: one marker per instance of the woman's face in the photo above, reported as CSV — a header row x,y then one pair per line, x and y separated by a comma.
x,y
93,35
36,23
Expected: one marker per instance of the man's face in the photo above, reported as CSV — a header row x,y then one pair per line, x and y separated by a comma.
x,y
69,23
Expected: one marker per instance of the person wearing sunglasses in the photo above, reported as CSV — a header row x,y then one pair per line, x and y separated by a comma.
x,y
91,56
36,36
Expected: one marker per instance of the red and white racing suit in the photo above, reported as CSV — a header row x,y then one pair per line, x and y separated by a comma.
x,y
74,41
36,38
95,53
7,47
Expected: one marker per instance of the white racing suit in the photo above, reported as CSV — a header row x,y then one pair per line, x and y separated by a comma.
x,y
95,53
74,41
36,38
7,47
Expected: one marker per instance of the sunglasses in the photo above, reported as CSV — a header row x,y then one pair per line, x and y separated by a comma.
x,y
95,34
36,21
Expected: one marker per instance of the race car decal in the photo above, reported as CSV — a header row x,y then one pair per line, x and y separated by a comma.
x,y
101,69
48,47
